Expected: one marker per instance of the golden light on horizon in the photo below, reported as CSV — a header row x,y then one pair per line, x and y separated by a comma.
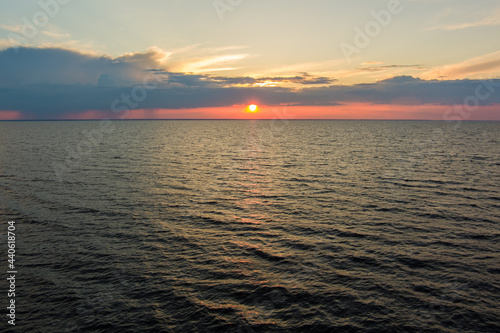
x,y
252,108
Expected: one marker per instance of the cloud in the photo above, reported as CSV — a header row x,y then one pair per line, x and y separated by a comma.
x,y
52,83
11,28
369,67
489,63
5,43
214,59
171,79
489,20
302,79
61,66
309,66
205,65
50,34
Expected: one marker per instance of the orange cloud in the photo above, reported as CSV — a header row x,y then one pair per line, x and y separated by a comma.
x,y
489,63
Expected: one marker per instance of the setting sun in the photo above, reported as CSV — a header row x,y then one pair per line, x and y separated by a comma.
x,y
252,108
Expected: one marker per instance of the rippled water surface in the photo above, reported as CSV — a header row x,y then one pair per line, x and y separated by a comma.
x,y
253,226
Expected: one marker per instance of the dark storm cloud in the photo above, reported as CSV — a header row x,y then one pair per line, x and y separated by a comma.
x,y
46,83
410,90
304,78
225,81
61,66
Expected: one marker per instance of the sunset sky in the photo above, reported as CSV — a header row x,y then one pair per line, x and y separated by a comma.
x,y
210,59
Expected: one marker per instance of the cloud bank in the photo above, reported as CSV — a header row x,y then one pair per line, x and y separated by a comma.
x,y
48,83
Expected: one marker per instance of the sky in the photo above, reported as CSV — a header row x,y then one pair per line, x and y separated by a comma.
x,y
210,59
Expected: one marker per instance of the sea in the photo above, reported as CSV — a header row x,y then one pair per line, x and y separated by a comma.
x,y
251,226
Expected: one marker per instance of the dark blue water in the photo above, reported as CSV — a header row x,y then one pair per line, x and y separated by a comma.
x,y
253,226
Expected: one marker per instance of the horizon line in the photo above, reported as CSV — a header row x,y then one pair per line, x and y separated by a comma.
x,y
285,119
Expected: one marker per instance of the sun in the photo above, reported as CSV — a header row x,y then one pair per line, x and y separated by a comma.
x,y
252,108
